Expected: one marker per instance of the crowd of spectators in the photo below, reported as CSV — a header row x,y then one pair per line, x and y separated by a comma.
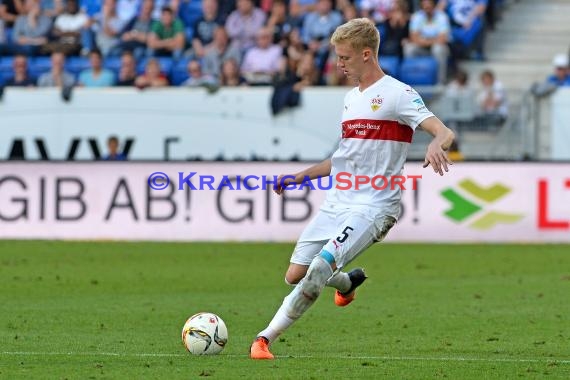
x,y
153,43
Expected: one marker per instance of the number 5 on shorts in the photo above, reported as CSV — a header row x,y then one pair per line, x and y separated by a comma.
x,y
342,238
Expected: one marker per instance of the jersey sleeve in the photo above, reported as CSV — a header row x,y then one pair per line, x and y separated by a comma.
x,y
344,109
411,109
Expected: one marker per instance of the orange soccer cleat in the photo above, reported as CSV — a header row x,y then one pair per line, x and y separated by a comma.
x,y
357,277
260,349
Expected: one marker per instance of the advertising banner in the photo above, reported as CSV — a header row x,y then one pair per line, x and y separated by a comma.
x,y
474,202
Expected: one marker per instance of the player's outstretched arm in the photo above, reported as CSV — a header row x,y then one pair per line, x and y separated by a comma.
x,y
322,169
436,154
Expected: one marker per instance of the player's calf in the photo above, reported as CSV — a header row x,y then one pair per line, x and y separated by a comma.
x,y
295,273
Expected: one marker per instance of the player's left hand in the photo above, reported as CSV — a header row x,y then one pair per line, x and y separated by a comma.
x,y
437,158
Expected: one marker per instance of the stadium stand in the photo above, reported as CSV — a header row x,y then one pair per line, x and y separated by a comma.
x,y
190,14
515,39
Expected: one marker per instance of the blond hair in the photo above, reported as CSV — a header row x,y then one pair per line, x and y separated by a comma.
x,y
360,33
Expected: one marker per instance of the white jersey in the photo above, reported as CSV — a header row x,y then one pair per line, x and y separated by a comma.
x,y
377,128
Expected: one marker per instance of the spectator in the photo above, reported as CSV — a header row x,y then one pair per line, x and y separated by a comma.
x,y
288,86
159,5
307,73
128,70
205,27
135,39
90,7
561,76
57,76
96,76
279,23
21,77
377,10
340,5
492,100
230,76
51,8
349,12
152,76
244,23
197,77
396,30
166,36
460,87
225,8
467,25
67,30
295,46
429,33
458,106
263,61
127,10
296,15
113,147
2,37
108,28
31,29
219,51
332,74
319,25
463,13
305,6
10,10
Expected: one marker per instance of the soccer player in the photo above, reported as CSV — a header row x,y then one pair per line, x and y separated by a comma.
x,y
379,119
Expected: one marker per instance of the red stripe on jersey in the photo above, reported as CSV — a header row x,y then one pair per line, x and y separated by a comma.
x,y
371,129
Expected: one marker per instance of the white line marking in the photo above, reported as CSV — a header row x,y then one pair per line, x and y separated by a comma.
x,y
354,357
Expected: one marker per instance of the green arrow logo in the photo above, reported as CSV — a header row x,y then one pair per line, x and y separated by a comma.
x,y
463,208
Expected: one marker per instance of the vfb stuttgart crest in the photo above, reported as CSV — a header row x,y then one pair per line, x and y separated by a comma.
x,y
376,103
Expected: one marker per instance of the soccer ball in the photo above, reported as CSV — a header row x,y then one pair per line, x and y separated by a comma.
x,y
204,334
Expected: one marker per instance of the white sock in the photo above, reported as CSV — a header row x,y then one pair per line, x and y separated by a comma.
x,y
278,324
299,300
340,281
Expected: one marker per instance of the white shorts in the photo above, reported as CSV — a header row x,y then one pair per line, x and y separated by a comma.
x,y
345,234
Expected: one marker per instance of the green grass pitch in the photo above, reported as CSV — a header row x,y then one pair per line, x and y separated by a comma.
x,y
115,311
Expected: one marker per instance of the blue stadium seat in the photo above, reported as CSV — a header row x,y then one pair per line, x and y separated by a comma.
x,y
4,76
112,63
6,63
419,71
9,35
166,64
38,66
179,72
76,65
390,65
190,11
